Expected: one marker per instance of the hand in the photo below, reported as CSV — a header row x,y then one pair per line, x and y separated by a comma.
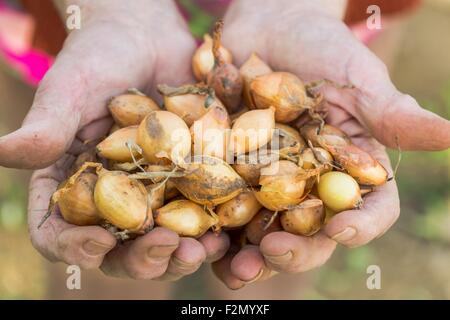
x,y
314,45
120,45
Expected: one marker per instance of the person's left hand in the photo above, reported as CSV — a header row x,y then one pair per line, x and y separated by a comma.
x,y
299,37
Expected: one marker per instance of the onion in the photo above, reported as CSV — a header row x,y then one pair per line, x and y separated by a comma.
x,y
281,186
237,211
185,218
131,108
305,219
164,135
209,181
115,148
261,225
252,130
251,69
283,91
339,191
203,59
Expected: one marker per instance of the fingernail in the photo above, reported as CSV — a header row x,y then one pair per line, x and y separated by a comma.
x,y
95,248
281,259
161,251
260,273
182,264
345,235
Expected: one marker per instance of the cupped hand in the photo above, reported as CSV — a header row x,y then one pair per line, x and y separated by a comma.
x,y
119,46
300,37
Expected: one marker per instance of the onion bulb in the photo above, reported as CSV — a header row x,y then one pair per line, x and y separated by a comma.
x,y
224,77
252,130
185,218
261,225
115,148
210,133
339,191
237,211
122,201
209,181
76,201
156,193
283,91
281,186
131,108
251,69
164,135
305,219
289,139
250,172
203,58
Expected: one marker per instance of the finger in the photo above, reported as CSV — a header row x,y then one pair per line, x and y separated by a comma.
x,y
286,252
56,239
380,210
221,269
51,124
216,245
248,265
186,259
147,257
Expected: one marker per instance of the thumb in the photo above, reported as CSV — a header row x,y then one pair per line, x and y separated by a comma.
x,y
395,119
49,127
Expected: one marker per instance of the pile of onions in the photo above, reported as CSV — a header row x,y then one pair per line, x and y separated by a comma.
x,y
205,161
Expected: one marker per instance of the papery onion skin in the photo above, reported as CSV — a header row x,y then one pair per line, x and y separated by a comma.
x,y
357,162
251,69
210,181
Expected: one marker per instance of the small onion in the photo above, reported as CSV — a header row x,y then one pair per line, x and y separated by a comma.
x,y
185,218
339,191
251,69
261,225
114,147
237,211
305,219
130,109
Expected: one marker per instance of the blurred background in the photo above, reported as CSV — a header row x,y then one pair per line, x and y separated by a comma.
x,y
414,256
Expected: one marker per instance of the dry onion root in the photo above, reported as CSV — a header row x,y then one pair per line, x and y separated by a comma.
x,y
131,108
304,219
358,163
224,78
185,218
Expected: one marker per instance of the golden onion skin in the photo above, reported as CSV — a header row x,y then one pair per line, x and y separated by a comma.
x,y
251,69
238,211
114,147
185,218
122,201
258,227
130,109
304,219
77,205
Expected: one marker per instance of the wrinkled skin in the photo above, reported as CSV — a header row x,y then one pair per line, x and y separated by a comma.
x,y
120,45
313,45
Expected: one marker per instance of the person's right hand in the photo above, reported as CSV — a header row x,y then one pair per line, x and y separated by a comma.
x,y
120,45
